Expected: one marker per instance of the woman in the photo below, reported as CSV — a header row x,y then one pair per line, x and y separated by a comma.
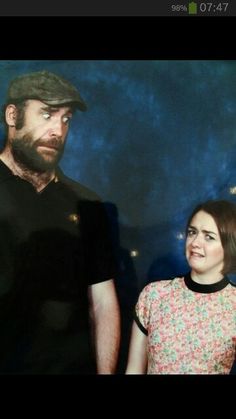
x,y
187,325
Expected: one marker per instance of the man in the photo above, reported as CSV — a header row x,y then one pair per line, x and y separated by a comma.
x,y
58,307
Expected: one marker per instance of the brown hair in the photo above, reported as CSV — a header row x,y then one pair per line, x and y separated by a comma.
x,y
224,214
20,109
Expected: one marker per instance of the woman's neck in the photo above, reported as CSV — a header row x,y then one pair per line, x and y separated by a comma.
x,y
206,278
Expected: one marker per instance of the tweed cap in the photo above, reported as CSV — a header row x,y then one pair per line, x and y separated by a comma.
x,y
46,87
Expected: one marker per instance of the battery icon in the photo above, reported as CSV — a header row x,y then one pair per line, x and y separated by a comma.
x,y
192,8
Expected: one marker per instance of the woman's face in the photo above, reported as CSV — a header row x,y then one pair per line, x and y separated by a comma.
x,y
204,250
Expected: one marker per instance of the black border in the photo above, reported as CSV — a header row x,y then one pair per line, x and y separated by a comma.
x,y
117,38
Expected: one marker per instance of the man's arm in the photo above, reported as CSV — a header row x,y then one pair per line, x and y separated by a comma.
x,y
137,360
105,317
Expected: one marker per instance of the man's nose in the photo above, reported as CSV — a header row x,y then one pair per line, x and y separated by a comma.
x,y
56,128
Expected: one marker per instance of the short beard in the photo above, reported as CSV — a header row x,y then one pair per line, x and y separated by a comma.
x,y
24,151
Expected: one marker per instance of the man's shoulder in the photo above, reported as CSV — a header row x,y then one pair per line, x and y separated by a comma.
x,y
82,191
5,172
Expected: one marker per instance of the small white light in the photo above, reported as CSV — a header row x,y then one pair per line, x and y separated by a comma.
x,y
134,253
180,236
232,190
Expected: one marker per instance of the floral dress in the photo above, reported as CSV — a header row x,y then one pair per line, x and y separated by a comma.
x,y
190,327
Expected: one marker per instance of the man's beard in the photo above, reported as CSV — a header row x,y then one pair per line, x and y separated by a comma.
x,y
24,151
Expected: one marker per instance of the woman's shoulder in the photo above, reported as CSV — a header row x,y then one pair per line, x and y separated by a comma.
x,y
163,285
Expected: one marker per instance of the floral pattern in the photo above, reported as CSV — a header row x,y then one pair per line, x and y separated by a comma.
x,y
188,332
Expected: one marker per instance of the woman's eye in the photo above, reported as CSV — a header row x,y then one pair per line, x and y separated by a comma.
x,y
209,238
191,232
46,115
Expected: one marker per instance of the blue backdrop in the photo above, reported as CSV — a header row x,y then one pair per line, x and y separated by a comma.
x,y
159,137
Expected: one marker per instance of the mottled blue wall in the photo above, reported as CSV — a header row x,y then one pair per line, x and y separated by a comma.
x,y
158,138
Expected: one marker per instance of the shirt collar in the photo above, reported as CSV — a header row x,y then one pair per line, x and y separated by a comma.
x,y
205,288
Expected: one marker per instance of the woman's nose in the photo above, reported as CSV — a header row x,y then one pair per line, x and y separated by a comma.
x,y
196,241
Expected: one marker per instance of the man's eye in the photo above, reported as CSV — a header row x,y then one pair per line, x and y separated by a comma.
x,y
191,233
46,115
66,119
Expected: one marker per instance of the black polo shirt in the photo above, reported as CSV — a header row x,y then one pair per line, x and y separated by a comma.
x,y
53,245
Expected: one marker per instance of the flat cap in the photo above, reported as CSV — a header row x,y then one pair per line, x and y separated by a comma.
x,y
46,87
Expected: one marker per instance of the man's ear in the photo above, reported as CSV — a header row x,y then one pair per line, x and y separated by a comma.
x,y
10,115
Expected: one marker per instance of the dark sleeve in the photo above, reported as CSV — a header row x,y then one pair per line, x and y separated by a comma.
x,y
139,324
99,251
143,308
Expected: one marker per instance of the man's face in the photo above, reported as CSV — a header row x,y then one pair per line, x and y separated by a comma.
x,y
39,144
